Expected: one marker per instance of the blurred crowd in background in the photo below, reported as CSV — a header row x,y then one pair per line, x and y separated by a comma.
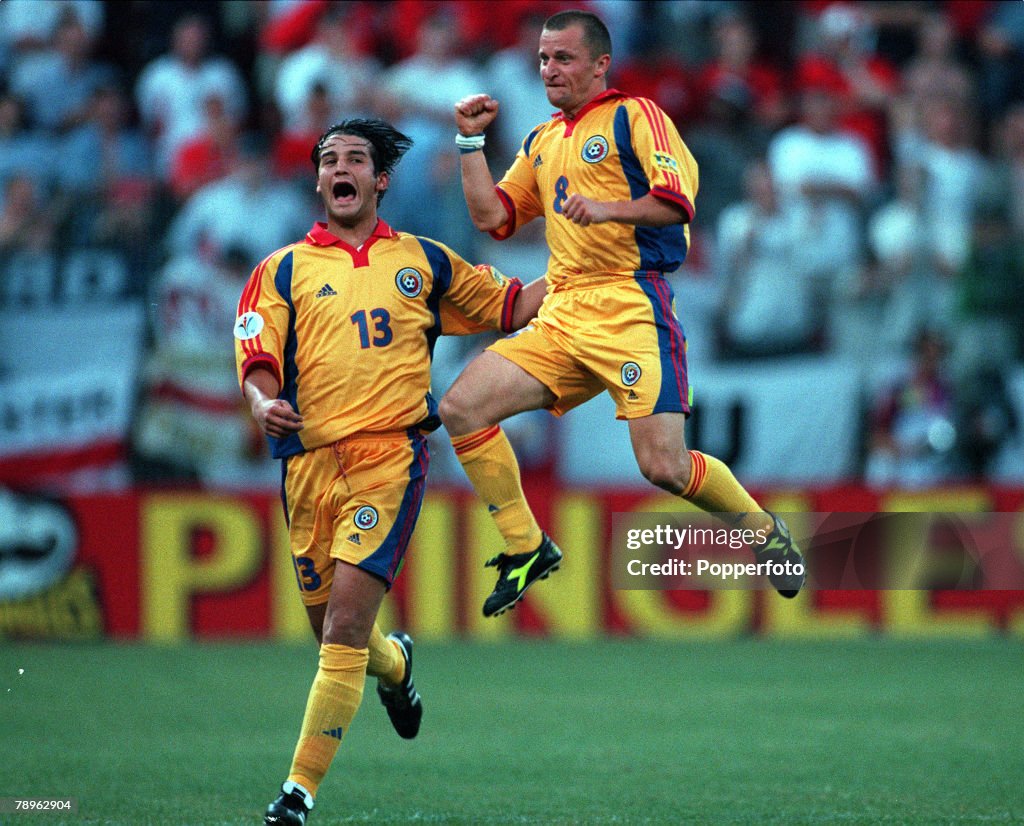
x,y
861,195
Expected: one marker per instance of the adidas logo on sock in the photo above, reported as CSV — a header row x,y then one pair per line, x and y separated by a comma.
x,y
326,290
355,539
334,732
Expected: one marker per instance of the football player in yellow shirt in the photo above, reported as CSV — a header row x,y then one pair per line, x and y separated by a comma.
x,y
616,185
333,343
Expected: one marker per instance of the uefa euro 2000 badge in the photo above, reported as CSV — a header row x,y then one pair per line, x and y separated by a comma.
x,y
595,149
248,325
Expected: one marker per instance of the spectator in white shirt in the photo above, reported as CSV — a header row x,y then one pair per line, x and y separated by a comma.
x,y
172,88
333,62
272,214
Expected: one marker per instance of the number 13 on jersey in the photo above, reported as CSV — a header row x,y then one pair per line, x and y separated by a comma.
x,y
381,328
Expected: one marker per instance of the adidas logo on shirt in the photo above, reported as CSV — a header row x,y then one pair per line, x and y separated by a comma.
x,y
537,162
326,290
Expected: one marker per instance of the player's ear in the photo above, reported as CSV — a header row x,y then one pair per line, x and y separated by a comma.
x,y
602,65
383,181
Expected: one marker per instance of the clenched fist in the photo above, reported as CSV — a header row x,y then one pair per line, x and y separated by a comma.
x,y
473,114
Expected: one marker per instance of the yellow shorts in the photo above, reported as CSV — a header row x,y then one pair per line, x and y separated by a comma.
x,y
620,336
356,500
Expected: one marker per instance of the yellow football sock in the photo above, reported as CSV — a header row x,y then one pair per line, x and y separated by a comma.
x,y
713,488
333,701
491,466
386,661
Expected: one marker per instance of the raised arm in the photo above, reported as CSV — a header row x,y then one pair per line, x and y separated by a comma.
x,y
473,115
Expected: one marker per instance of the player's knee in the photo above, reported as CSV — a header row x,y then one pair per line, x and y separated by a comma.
x,y
456,411
346,627
665,471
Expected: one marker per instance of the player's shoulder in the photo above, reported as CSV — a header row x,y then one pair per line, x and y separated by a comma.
x,y
275,258
411,240
547,127
641,106
438,254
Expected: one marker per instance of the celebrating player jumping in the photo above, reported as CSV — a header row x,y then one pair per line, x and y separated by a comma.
x,y
616,185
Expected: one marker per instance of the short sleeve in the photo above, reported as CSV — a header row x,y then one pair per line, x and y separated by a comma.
x,y
261,327
480,298
519,194
670,167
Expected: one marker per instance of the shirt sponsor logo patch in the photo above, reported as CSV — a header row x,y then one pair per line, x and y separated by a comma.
x,y
248,325
595,149
409,282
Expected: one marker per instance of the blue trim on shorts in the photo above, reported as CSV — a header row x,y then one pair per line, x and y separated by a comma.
x,y
659,247
386,561
292,444
674,394
432,421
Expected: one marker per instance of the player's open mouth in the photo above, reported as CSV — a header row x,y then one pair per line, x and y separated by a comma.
x,y
343,191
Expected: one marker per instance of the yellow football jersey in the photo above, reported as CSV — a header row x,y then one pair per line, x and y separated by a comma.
x,y
350,332
617,148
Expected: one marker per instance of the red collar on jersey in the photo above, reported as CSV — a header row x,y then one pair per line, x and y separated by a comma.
x,y
570,123
321,237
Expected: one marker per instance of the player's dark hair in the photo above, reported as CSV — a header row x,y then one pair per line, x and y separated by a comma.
x,y
387,144
595,32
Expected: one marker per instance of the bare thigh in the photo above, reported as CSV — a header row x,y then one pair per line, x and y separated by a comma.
x,y
489,390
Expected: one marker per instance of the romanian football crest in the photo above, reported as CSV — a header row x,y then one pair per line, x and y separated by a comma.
x,y
630,373
595,149
366,517
409,282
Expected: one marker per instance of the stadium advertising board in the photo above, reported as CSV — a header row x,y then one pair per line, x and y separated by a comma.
x,y
172,565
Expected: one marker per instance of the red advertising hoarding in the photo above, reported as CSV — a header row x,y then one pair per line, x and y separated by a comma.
x,y
167,565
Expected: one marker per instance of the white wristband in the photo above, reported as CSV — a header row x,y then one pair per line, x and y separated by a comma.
x,y
469,141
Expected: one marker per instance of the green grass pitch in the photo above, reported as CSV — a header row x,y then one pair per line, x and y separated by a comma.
x,y
530,732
